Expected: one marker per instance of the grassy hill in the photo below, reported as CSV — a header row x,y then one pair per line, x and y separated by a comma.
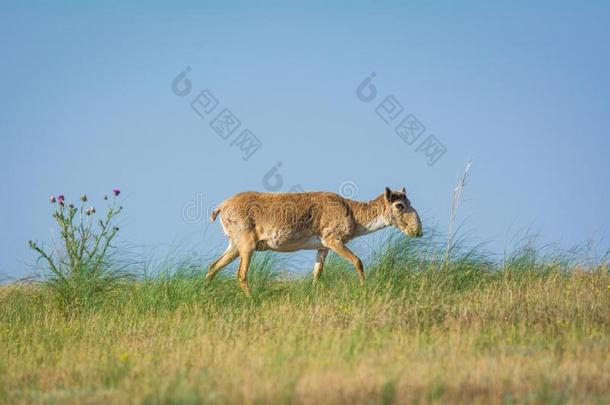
x,y
424,329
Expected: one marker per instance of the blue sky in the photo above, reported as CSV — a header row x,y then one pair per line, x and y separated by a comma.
x,y
521,88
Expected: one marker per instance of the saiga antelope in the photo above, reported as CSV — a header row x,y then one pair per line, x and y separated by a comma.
x,y
286,222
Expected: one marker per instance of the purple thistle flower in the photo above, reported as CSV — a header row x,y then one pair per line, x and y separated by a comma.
x,y
52,199
116,192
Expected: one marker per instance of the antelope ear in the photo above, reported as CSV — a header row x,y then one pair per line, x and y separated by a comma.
x,y
404,191
387,193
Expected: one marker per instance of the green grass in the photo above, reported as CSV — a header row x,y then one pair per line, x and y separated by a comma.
x,y
533,328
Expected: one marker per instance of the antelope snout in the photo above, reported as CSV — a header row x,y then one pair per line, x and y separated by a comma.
x,y
413,231
416,230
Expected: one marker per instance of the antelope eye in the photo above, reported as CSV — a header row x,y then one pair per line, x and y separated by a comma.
x,y
400,206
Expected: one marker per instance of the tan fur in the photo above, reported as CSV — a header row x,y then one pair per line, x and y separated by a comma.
x,y
286,222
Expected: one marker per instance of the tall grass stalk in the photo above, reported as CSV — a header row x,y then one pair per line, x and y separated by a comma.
x,y
455,201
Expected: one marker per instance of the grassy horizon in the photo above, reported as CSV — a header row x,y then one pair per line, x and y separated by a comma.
x,y
533,328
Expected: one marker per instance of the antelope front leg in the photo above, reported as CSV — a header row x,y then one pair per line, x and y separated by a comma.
x,y
339,248
319,266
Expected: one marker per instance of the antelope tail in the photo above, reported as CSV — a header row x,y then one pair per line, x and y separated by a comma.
x,y
214,214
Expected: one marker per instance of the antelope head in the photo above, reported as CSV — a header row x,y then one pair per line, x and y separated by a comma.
x,y
401,214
